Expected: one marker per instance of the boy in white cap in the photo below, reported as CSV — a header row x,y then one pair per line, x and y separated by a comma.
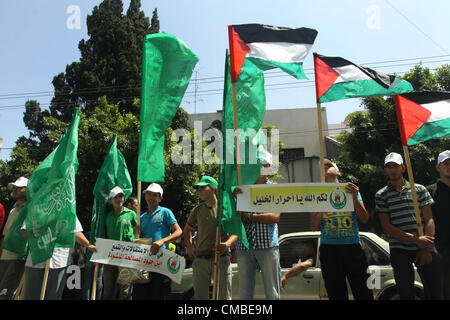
x,y
121,225
395,209
11,266
440,191
159,224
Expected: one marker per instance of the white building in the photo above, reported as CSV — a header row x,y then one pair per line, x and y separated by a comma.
x,y
298,130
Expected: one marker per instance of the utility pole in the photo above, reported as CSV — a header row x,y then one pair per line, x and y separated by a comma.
x,y
195,92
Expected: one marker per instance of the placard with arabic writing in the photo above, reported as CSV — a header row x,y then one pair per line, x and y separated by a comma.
x,y
138,256
294,197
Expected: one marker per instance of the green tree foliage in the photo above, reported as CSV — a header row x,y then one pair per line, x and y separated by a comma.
x,y
375,133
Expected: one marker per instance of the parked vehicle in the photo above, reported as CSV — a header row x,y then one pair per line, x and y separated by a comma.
x,y
309,285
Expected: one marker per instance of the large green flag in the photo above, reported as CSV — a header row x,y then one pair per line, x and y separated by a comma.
x,y
167,66
113,173
50,211
251,106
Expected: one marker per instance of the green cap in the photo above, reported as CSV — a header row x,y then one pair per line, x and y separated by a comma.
x,y
206,181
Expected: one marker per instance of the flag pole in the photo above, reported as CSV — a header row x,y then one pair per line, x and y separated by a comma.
x,y
44,281
321,142
239,177
20,288
319,125
413,190
138,214
408,165
94,282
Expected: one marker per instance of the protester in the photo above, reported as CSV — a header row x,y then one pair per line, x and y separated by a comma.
x,y
308,254
11,266
263,252
440,191
204,217
121,225
159,224
395,209
341,256
56,282
133,204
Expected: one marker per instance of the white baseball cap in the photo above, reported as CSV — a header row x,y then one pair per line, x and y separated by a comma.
x,y
393,157
20,183
444,155
154,187
114,192
328,161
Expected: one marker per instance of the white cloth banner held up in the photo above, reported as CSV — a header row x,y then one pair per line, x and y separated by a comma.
x,y
138,256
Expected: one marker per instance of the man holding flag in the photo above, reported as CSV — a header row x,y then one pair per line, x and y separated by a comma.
x,y
34,274
395,210
11,264
204,217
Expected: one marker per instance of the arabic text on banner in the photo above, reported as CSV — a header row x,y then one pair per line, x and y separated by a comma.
x,y
138,256
294,197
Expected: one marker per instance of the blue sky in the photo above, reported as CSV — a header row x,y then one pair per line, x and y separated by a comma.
x,y
37,44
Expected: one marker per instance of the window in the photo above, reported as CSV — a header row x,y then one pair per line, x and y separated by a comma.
x,y
374,254
292,154
297,249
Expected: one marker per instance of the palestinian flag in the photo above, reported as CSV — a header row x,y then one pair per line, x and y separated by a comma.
x,y
256,47
337,79
423,116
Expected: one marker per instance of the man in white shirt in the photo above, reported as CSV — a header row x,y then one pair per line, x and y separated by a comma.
x,y
34,274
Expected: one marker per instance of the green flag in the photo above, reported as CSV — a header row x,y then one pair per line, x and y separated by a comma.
x,y
113,173
167,65
251,106
50,211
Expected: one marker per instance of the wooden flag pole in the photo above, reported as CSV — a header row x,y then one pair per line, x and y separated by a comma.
x,y
20,288
94,282
413,190
321,142
44,281
239,177
139,197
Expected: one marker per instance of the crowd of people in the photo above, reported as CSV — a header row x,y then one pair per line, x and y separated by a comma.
x,y
424,243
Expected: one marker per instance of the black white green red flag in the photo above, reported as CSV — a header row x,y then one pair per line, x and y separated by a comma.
x,y
423,116
337,79
255,48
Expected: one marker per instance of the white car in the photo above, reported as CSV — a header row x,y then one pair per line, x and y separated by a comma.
x,y
309,285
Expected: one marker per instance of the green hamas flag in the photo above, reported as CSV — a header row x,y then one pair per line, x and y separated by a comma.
x,y
113,173
50,211
167,65
251,106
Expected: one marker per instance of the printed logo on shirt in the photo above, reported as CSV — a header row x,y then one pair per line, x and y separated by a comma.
x,y
158,218
338,199
339,225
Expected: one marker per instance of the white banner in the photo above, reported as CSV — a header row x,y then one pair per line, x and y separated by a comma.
x,y
138,256
294,197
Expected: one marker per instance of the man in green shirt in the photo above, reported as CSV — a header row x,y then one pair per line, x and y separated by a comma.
x,y
11,265
121,225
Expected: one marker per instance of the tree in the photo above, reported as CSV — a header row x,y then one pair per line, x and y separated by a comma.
x,y
375,133
105,86
110,66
